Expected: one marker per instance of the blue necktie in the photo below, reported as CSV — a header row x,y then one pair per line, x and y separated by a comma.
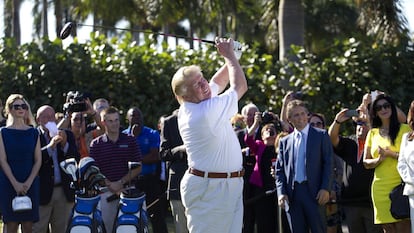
x,y
300,156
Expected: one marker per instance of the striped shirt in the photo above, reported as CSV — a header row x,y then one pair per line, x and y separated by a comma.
x,y
112,157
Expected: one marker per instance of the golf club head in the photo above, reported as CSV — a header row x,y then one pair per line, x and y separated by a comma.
x,y
66,30
84,164
96,182
69,166
133,165
90,171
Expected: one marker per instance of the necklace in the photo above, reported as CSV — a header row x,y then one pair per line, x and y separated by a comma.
x,y
383,132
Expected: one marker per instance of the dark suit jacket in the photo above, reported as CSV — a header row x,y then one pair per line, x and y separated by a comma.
x,y
177,162
46,172
319,163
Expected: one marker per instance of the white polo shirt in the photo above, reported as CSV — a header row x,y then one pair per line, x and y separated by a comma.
x,y
207,133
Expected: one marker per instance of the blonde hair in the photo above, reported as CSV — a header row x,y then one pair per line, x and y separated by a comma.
x,y
29,119
178,82
237,121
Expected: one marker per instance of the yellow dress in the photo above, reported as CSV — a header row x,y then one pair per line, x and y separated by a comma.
x,y
386,175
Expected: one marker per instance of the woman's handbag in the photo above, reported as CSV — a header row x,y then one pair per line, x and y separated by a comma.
x,y
21,203
400,207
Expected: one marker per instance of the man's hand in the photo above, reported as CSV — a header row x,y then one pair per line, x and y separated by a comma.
x,y
114,187
64,138
322,197
225,47
282,201
54,141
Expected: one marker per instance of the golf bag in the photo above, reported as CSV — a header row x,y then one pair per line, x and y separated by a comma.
x,y
132,213
88,183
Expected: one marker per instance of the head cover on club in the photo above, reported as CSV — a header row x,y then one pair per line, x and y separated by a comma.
x,y
69,166
66,30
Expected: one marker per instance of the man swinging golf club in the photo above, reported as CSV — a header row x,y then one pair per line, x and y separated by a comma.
x,y
211,189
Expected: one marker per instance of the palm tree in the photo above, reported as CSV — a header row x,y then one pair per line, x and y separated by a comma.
x,y
7,18
16,21
291,26
383,20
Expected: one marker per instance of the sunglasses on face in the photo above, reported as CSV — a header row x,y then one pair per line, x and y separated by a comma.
x,y
18,106
384,106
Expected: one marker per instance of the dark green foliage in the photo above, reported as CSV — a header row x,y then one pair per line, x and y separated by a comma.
x,y
130,75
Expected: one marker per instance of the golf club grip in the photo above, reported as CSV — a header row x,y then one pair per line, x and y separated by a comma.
x,y
113,197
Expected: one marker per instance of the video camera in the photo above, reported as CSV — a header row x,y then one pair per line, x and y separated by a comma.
x,y
75,102
268,118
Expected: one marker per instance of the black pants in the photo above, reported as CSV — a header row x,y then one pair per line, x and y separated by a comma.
x,y
150,184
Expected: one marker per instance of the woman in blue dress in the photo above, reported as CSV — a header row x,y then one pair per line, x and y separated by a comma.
x,y
20,160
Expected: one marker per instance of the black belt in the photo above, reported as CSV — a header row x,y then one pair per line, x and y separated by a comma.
x,y
57,185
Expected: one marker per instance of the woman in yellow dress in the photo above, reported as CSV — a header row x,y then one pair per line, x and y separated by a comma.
x,y
381,153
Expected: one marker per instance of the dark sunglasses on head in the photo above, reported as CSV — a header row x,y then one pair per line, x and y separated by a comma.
x,y
317,124
18,106
384,106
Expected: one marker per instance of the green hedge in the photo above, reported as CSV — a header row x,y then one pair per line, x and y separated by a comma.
x,y
131,75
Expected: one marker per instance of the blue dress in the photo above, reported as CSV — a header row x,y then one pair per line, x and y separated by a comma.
x,y
19,146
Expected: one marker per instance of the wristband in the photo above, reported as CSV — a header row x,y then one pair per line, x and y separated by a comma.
x,y
336,121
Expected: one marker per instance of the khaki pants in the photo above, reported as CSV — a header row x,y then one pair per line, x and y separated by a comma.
x,y
56,213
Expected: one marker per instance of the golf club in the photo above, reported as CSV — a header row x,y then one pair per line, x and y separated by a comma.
x,y
69,26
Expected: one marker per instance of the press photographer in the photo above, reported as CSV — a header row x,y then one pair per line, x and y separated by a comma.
x,y
268,117
78,102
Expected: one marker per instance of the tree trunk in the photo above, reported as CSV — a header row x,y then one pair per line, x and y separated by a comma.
x,y
58,16
291,26
16,21
45,27
7,18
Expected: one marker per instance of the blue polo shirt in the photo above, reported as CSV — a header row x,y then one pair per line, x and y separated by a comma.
x,y
147,139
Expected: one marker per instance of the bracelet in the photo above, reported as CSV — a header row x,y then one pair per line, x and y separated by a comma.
x,y
336,121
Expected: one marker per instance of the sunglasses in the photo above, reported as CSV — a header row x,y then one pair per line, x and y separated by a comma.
x,y
317,124
18,106
384,106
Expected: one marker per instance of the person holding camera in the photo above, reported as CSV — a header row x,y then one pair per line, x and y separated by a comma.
x,y
261,181
20,161
79,102
356,186
77,107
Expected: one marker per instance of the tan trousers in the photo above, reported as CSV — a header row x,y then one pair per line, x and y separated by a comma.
x,y
56,213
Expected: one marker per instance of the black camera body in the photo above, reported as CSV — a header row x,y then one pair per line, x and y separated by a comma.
x,y
267,118
75,102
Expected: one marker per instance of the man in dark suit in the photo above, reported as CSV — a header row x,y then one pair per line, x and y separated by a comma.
x,y
304,172
174,153
56,197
